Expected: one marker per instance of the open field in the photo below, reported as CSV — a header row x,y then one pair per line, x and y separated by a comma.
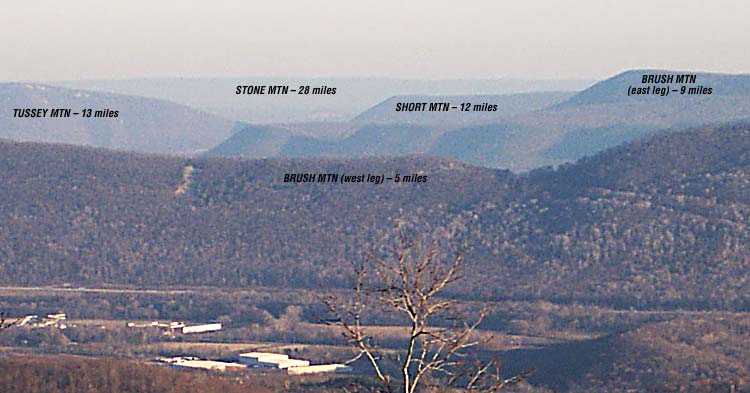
x,y
524,334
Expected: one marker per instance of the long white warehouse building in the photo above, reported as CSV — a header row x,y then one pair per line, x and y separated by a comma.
x,y
271,360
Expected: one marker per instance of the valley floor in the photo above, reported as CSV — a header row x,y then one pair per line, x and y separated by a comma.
x,y
573,347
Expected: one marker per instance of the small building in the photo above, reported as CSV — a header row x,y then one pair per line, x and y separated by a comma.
x,y
23,321
319,368
176,327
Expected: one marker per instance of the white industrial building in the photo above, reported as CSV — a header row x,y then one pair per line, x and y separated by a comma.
x,y
258,360
210,365
271,360
179,327
253,358
205,328
33,321
319,368
283,364
195,363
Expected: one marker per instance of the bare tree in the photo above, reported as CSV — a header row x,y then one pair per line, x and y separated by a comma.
x,y
412,282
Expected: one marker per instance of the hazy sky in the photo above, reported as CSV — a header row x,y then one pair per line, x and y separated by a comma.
x,y
430,39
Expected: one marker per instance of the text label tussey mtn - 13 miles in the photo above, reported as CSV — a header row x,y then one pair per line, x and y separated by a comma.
x,y
63,113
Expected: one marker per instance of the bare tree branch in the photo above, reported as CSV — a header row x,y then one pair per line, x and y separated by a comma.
x,y
412,282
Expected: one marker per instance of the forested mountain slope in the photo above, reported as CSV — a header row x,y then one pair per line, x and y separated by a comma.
x,y
657,223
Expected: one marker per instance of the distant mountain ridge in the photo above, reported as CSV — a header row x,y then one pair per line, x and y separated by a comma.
x,y
251,141
615,88
526,133
142,124
506,105
528,130
601,117
353,95
380,131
